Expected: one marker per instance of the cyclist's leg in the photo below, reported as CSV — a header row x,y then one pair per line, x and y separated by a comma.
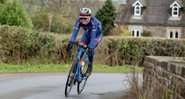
x,y
83,41
91,55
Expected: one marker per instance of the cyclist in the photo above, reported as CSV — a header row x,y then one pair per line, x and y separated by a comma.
x,y
91,37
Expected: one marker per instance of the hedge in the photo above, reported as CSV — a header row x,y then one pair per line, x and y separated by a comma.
x,y
128,50
19,45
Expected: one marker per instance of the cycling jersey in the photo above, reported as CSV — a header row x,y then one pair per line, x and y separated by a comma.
x,y
92,34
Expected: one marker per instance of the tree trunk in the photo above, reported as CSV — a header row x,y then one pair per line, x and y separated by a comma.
x,y
42,4
60,3
50,18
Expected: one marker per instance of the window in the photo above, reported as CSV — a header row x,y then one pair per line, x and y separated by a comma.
x,y
132,33
136,33
135,30
175,11
137,10
173,32
176,34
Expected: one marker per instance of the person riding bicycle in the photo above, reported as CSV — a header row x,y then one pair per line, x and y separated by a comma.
x,y
91,37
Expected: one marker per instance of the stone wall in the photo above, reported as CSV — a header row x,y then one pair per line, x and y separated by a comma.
x,y
183,33
169,75
161,31
157,31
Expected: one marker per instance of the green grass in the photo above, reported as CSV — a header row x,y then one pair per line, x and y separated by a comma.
x,y
105,68
27,68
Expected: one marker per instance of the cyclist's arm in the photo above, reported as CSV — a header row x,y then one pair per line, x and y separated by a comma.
x,y
92,43
75,31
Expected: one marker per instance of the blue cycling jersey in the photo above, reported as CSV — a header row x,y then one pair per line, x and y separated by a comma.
x,y
93,31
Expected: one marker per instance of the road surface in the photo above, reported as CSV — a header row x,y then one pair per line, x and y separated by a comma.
x,y
52,85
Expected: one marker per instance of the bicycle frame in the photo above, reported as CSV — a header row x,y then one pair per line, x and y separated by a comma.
x,y
78,66
78,72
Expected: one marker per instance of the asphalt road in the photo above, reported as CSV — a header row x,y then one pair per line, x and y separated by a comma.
x,y
52,85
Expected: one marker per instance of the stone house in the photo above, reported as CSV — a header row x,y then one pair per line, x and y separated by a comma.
x,y
163,18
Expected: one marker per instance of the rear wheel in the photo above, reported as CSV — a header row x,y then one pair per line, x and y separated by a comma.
x,y
82,84
70,80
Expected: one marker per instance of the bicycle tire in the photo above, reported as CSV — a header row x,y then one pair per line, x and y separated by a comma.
x,y
70,81
81,85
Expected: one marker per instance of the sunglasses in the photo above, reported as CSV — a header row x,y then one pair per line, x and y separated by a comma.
x,y
83,18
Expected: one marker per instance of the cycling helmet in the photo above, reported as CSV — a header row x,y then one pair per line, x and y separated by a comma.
x,y
85,12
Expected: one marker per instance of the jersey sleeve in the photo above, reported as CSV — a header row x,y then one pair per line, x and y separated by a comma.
x,y
93,41
75,31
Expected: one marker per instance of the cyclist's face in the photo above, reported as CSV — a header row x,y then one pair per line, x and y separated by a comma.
x,y
84,19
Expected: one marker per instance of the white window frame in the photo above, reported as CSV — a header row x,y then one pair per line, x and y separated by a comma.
x,y
137,10
134,29
136,33
174,33
175,9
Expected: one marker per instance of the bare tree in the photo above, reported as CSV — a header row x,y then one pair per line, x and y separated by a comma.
x,y
28,4
42,4
68,8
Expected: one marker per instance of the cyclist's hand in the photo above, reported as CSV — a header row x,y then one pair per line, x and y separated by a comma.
x,y
69,46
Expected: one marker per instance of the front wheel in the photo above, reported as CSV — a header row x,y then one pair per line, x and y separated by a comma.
x,y
70,80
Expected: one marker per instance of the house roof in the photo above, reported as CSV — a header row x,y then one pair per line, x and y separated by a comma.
x,y
176,3
141,2
155,12
180,2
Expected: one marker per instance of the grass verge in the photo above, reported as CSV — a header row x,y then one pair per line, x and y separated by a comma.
x,y
35,68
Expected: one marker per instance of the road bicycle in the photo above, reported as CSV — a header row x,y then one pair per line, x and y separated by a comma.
x,y
78,70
